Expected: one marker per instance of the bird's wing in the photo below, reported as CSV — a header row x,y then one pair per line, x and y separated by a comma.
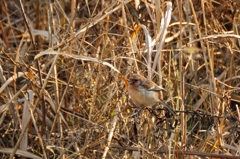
x,y
156,88
151,86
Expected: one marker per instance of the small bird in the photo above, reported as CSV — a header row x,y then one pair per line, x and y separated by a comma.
x,y
144,92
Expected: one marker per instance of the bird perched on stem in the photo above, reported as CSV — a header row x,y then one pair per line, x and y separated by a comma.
x,y
144,92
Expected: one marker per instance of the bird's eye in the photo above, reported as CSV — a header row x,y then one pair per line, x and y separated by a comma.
x,y
132,81
137,82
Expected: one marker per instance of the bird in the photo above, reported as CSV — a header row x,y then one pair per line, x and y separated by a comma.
x,y
144,92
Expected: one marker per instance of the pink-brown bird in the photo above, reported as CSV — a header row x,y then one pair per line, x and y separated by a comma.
x,y
144,92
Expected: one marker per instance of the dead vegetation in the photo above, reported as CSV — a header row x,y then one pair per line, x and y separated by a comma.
x,y
64,68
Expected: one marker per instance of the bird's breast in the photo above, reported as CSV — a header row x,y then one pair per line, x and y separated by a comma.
x,y
144,97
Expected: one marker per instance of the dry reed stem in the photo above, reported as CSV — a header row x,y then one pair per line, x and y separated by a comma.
x,y
86,52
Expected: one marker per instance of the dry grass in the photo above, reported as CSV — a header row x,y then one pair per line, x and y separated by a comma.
x,y
64,69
